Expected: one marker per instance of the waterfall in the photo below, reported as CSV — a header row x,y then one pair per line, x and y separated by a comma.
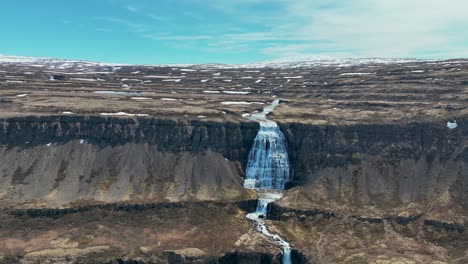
x,y
267,172
268,164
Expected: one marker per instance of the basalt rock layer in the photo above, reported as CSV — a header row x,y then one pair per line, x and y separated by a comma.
x,y
380,165
67,159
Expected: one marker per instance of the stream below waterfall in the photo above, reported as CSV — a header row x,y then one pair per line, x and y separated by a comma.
x,y
267,172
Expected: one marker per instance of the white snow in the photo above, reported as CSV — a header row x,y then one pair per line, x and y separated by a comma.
x,y
240,103
48,144
76,73
188,70
21,95
12,81
201,116
172,80
203,81
85,79
122,114
118,93
141,98
323,61
452,125
235,92
81,141
293,77
130,80
168,99
355,73
258,81
163,77
217,74
418,71
213,92
67,113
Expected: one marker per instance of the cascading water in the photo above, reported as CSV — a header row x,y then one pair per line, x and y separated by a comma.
x,y
267,172
268,165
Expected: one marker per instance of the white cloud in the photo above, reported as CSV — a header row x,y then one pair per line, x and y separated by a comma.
x,y
396,28
367,28
131,8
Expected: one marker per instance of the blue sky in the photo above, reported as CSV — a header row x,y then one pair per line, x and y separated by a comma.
x,y
232,31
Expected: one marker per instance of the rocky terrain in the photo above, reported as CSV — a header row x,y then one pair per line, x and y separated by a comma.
x,y
145,164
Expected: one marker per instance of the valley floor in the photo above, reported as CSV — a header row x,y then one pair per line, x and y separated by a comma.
x,y
217,233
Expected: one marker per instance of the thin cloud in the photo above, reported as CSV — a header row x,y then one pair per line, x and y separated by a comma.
x,y
178,38
364,28
369,28
131,8
134,27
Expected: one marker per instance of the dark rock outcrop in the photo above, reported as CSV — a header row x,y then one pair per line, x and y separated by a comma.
x,y
382,165
65,159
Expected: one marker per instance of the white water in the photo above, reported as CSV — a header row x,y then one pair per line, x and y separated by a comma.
x,y
267,172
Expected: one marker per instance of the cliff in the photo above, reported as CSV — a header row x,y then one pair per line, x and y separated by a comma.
x,y
58,160
379,166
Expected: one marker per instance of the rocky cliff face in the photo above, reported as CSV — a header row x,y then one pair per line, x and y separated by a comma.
x,y
380,165
65,159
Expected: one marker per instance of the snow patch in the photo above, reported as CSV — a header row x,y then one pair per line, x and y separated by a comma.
x,y
118,93
452,125
235,92
141,98
84,79
122,114
355,73
240,103
293,77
